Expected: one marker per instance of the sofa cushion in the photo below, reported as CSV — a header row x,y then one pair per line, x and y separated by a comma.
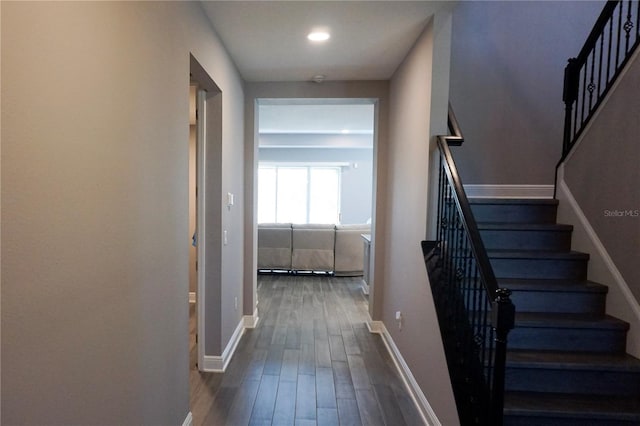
x,y
274,246
313,246
349,249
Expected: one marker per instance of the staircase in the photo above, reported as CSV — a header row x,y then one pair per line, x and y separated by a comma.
x,y
566,360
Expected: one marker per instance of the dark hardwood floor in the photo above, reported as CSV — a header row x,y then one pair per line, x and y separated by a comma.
x,y
310,361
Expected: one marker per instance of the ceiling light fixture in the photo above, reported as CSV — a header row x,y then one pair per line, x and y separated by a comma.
x,y
318,36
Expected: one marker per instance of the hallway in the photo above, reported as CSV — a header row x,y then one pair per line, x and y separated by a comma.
x,y
310,361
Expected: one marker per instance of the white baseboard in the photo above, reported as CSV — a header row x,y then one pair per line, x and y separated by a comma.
x,y
192,297
218,364
188,421
212,364
251,321
365,288
600,248
375,326
509,191
424,408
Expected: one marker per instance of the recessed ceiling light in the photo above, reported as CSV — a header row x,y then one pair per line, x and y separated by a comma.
x,y
318,36
345,131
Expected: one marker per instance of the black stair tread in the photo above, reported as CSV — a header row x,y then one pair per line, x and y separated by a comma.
x,y
573,406
537,254
532,284
569,320
573,360
504,226
509,201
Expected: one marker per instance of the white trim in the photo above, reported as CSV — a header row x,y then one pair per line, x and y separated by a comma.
x,y
365,288
218,364
251,321
424,408
602,251
212,364
375,326
188,421
509,191
192,297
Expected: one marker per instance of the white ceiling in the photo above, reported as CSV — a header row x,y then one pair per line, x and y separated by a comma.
x,y
267,39
319,117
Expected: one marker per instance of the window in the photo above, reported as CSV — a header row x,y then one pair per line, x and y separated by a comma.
x,y
298,194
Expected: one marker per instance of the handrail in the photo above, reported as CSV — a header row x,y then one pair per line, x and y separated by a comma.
x,y
469,222
598,27
455,137
474,314
589,76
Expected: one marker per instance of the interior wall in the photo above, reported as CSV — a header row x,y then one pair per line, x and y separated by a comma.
x,y
213,255
0,230
602,173
375,90
415,117
232,276
95,219
507,72
356,179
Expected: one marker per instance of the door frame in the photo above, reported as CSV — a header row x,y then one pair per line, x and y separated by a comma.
x,y
208,214
200,221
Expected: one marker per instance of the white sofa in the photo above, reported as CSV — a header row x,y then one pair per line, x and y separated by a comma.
x,y
349,249
274,246
312,247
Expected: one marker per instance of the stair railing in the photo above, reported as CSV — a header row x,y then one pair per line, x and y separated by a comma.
x,y
589,76
474,315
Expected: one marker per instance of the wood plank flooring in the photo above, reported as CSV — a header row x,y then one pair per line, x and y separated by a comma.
x,y
310,361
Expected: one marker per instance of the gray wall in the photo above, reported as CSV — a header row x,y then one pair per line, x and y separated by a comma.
x,y
418,111
356,183
603,174
507,68
95,246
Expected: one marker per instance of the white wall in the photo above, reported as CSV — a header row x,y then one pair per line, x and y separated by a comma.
x,y
418,111
95,245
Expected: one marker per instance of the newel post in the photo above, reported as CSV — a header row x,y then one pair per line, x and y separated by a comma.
x,y
502,321
569,96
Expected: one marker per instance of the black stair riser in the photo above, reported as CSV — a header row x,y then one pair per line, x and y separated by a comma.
x,y
571,269
568,381
511,420
564,302
526,240
514,213
568,339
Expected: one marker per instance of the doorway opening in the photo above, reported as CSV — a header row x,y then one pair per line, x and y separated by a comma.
x,y
206,169
315,172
